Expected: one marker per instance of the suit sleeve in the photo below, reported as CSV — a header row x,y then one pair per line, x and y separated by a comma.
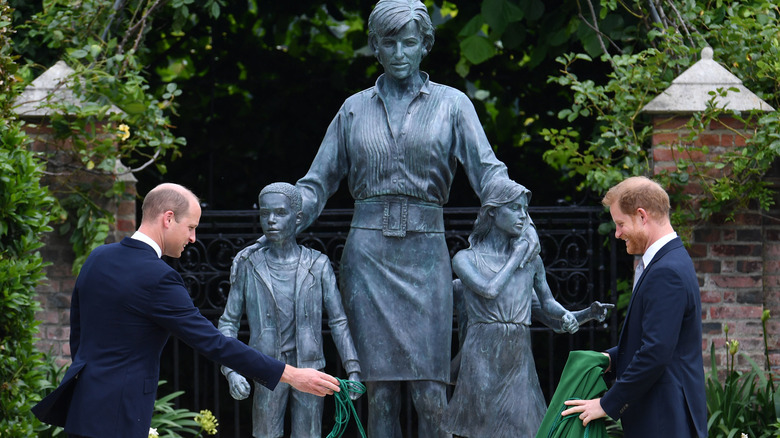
x,y
174,310
662,315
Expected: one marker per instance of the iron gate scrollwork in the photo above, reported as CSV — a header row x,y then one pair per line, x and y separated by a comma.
x,y
580,265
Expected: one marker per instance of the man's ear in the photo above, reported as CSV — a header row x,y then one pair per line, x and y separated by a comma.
x,y
167,218
642,213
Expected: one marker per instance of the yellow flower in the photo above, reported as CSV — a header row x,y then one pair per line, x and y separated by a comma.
x,y
208,422
124,132
733,347
153,432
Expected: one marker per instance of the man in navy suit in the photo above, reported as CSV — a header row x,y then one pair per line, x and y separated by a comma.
x,y
125,305
659,386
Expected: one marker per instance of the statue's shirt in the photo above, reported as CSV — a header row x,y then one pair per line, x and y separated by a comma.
x,y
440,129
397,291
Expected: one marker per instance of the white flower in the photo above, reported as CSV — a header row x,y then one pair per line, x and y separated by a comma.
x,y
744,435
153,432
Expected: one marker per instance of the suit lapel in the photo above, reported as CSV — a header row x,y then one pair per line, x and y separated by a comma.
x,y
672,244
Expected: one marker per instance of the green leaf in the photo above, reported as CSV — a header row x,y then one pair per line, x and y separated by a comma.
x,y
477,49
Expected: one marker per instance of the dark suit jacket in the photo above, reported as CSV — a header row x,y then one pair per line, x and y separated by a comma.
x,y
125,304
659,391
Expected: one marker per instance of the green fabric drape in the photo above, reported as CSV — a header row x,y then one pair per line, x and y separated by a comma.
x,y
581,379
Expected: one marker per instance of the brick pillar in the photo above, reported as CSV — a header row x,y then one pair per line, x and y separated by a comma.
x,y
737,262
54,294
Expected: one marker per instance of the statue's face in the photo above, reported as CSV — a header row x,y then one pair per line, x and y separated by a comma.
x,y
277,217
512,217
400,54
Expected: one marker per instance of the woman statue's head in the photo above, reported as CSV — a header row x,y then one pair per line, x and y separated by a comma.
x,y
496,194
390,16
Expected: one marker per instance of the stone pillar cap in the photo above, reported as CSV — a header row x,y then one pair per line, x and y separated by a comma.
x,y
690,92
49,87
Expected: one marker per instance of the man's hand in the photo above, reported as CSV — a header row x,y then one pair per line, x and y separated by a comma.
x,y
239,387
589,410
310,380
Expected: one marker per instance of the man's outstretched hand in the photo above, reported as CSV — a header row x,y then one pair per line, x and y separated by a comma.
x,y
310,380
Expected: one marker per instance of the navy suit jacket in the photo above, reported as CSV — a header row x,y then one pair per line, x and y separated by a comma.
x,y
659,390
125,304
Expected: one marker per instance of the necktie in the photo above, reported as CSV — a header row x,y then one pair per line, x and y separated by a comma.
x,y
638,272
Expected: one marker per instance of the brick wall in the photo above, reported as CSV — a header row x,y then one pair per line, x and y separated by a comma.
x,y
737,261
54,294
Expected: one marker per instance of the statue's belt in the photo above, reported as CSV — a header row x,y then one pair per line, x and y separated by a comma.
x,y
396,215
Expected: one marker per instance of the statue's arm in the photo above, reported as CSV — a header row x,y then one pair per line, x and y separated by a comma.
x,y
328,168
337,318
547,304
488,286
230,320
472,148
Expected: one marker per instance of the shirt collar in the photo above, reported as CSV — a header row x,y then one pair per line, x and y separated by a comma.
x,y
380,81
147,240
647,257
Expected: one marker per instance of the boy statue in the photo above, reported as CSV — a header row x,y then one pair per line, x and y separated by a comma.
x,y
282,287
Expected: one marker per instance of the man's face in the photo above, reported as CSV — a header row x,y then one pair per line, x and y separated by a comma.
x,y
181,231
512,217
631,229
400,54
277,217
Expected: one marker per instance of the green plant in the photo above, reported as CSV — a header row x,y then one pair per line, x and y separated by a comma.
x,y
743,401
120,125
172,422
26,208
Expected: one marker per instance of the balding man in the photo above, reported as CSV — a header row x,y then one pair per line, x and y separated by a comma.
x,y
125,305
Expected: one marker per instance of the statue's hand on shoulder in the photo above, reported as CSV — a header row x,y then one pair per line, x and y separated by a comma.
x,y
239,387
256,245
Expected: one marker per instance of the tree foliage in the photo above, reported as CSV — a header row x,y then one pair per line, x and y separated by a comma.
x,y
122,125
26,209
745,38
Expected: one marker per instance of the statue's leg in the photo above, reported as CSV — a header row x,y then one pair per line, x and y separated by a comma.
x,y
306,414
384,409
430,400
268,410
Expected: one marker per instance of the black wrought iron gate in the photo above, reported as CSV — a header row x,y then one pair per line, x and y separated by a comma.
x,y
580,264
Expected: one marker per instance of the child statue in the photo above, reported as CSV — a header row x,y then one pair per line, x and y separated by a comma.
x,y
497,393
283,287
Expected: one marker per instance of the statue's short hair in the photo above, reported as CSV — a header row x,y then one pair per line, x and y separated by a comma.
x,y
639,192
286,189
389,16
